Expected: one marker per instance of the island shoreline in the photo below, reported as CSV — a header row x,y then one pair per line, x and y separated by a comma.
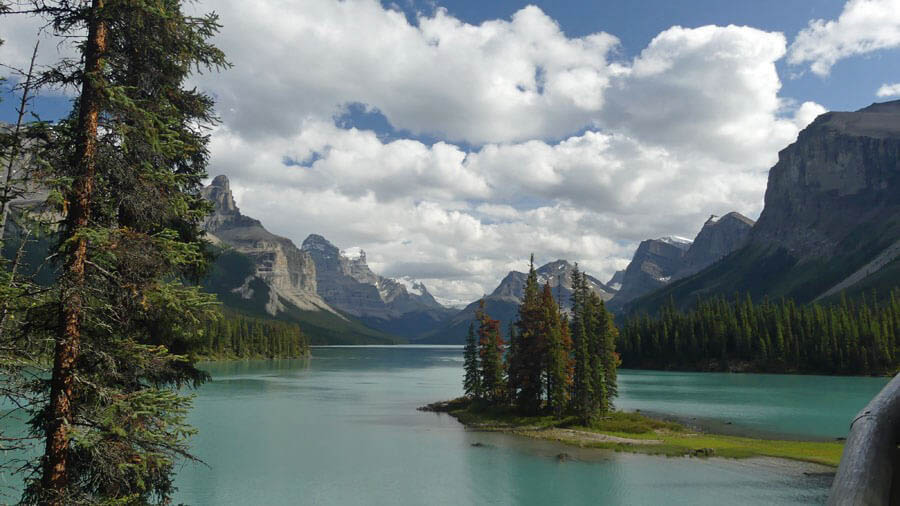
x,y
637,433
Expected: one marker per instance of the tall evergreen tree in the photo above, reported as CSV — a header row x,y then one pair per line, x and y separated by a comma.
x,y
529,351
584,388
491,356
128,164
559,353
471,381
606,335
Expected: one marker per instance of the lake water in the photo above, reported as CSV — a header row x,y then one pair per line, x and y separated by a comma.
x,y
342,428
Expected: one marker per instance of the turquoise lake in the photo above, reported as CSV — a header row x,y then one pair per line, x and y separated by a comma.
x,y
341,428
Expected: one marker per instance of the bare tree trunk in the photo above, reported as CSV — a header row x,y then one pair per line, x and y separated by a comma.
x,y
56,470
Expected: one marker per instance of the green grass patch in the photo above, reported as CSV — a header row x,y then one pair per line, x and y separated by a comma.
x,y
630,424
648,435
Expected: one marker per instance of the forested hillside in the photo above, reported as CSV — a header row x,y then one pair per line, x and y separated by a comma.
x,y
851,337
241,336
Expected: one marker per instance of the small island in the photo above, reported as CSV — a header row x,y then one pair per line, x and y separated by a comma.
x,y
556,379
634,433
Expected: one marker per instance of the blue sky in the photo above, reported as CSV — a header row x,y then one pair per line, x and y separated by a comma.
x,y
451,139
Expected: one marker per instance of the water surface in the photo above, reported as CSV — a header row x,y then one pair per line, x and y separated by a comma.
x,y
341,428
765,405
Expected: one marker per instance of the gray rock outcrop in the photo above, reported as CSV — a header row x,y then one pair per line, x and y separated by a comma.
x,y
653,265
843,171
615,282
345,281
289,272
719,237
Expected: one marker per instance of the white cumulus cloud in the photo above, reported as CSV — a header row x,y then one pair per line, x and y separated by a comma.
x,y
502,80
888,90
863,26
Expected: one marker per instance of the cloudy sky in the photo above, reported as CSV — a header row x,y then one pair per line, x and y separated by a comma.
x,y
451,138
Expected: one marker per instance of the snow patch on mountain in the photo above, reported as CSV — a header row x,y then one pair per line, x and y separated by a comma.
x,y
676,240
354,253
413,286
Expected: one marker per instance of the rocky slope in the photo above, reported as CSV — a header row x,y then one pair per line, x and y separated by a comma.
x,y
289,272
831,216
719,237
345,281
843,172
262,273
502,304
653,265
615,282
658,262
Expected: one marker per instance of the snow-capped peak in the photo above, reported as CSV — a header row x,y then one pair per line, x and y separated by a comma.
x,y
675,239
413,286
354,253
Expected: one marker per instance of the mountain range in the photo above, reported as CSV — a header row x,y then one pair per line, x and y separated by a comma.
x,y
343,279
831,224
658,262
325,288
502,304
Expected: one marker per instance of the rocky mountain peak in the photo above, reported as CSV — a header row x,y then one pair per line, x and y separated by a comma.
x,y
657,262
556,274
346,282
555,267
221,181
846,161
319,243
288,272
225,210
719,237
615,282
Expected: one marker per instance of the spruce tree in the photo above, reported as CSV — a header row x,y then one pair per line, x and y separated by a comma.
x,y
607,336
584,392
559,351
127,165
491,356
471,381
598,400
530,347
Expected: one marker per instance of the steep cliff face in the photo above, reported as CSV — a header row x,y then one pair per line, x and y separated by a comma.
x,y
615,282
503,303
346,284
345,281
653,265
717,239
289,272
831,219
843,172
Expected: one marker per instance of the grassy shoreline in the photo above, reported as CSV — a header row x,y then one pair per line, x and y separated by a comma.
x,y
635,433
